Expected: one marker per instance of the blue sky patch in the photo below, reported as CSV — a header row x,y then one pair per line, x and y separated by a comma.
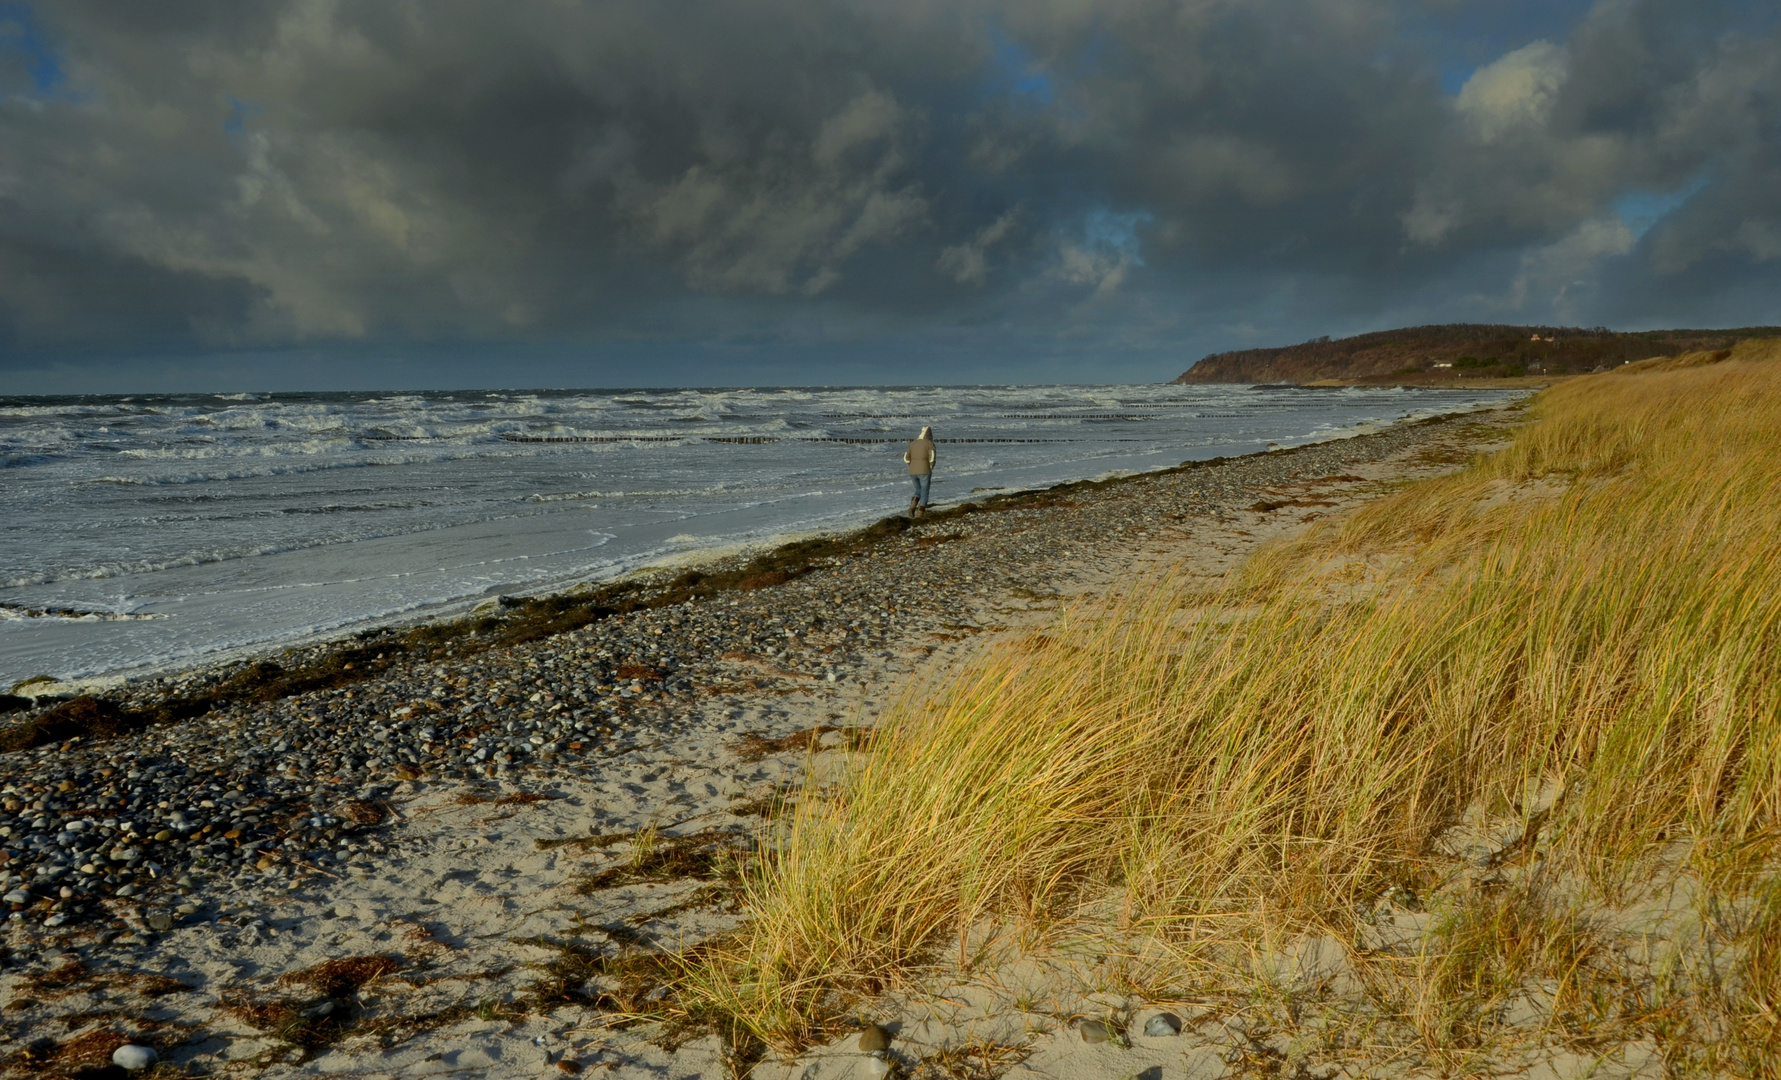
x,y
1640,210
24,49
240,112
1018,73
1116,232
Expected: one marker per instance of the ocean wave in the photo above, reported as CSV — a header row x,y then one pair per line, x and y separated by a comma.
x,y
214,450
193,480
149,566
15,612
731,489
295,469
156,564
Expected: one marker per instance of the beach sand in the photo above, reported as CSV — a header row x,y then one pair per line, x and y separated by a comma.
x,y
471,866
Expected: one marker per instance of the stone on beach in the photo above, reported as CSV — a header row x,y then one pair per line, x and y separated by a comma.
x,y
133,1057
1162,1025
875,1039
1097,1031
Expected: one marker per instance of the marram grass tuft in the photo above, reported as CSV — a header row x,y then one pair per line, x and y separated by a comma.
x,y
1581,632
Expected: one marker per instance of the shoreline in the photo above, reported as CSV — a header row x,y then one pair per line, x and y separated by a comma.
x,y
723,566
521,809
524,520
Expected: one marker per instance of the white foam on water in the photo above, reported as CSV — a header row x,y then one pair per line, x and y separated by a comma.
x,y
197,525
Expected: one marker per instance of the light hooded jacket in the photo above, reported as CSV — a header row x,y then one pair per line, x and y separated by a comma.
x,y
920,455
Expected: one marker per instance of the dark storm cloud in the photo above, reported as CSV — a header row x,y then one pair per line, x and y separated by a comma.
x,y
1128,173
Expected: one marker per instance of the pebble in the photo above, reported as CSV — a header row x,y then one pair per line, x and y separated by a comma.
x,y
160,921
1162,1025
1096,1031
132,1057
875,1039
203,805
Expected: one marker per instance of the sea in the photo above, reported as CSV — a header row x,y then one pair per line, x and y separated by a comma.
x,y
146,532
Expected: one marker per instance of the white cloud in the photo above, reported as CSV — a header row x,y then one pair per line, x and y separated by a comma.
x,y
1554,278
1105,270
1515,92
1760,239
968,263
1207,166
776,221
1107,252
1430,218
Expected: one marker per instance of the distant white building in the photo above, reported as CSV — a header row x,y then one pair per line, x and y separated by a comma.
x,y
1442,363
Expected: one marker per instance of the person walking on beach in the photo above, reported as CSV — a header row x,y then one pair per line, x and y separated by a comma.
x,y
921,458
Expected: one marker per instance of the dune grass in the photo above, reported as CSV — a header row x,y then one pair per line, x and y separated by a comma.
x,y
1577,639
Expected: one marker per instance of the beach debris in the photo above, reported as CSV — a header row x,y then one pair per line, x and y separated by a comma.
x,y
1097,1031
875,1039
133,1057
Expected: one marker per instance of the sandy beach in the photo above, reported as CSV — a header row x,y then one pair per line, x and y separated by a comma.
x,y
469,853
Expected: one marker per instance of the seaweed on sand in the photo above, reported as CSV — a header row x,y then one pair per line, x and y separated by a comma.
x,y
318,1022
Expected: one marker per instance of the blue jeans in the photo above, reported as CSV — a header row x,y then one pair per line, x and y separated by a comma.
x,y
922,482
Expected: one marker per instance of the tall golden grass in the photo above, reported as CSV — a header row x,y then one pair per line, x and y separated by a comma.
x,y
1593,613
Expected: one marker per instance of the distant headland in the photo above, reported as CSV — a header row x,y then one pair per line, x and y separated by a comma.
x,y
1472,352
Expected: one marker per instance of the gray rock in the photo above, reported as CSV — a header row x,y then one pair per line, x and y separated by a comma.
x,y
133,1057
160,920
1162,1025
18,896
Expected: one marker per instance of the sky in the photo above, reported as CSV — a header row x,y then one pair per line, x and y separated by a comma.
x,y
405,194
